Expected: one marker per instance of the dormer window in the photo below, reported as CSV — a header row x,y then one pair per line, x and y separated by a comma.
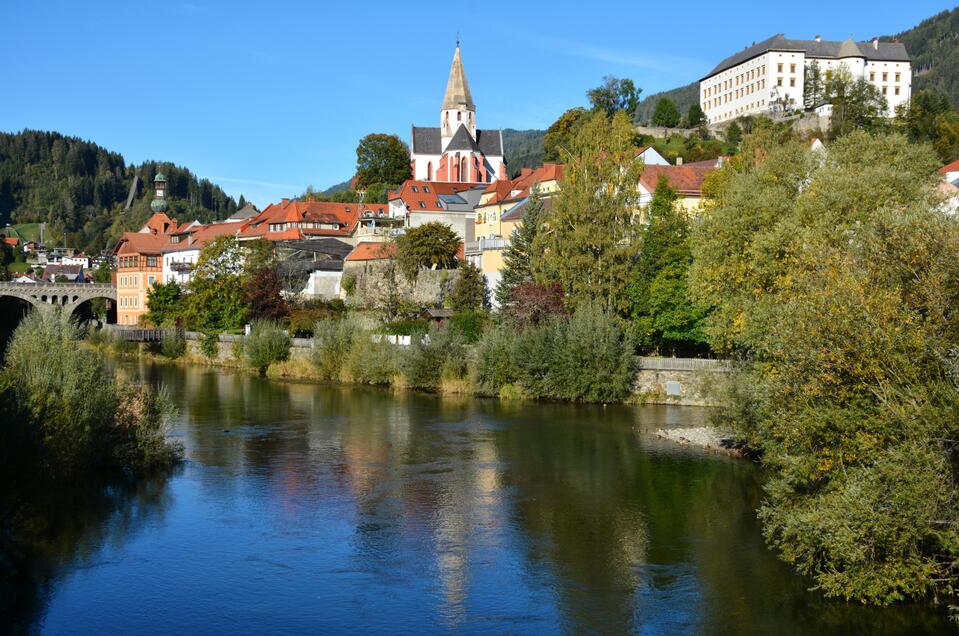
x,y
415,189
426,189
422,205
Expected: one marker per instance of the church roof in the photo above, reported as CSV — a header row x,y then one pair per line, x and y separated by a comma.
x,y
457,88
463,140
882,52
429,141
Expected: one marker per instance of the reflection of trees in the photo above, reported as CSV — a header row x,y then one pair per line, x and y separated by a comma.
x,y
58,527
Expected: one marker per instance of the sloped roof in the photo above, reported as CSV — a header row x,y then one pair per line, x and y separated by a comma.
x,y
518,211
685,180
429,193
462,140
344,215
885,52
429,141
949,167
457,88
370,251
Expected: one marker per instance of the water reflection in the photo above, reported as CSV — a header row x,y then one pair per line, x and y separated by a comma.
x,y
333,509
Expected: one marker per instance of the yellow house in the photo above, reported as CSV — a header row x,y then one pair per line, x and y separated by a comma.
x,y
140,264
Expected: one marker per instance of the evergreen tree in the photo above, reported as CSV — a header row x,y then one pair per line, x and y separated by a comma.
x,y
813,86
517,257
469,290
695,117
666,114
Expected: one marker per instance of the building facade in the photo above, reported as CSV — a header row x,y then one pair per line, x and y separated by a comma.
x,y
457,151
770,76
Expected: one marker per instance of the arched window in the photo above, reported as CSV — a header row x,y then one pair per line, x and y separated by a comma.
x,y
463,173
429,171
456,170
459,115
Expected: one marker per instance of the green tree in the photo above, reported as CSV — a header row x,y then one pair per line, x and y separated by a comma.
x,y
558,140
517,257
432,245
946,142
469,290
920,117
383,159
856,104
587,239
813,86
664,317
103,273
695,116
665,114
215,299
836,277
615,95
165,304
734,133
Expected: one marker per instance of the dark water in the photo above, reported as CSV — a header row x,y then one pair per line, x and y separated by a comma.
x,y
305,509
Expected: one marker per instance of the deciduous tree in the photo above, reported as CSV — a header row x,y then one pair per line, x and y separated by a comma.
x,y
383,159
431,245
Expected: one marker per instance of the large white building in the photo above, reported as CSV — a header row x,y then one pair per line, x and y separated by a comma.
x,y
771,74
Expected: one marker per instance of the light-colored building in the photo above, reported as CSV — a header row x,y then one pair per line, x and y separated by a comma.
x,y
421,202
770,75
457,151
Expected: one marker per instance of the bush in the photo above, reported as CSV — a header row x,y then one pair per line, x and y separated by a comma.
x,y
332,343
266,344
348,283
407,327
534,358
372,362
470,324
210,345
494,365
78,414
438,355
173,345
302,319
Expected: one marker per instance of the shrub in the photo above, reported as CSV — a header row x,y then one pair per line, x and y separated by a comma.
x,y
302,319
348,283
470,324
78,414
266,344
494,365
371,362
534,357
173,345
332,343
594,359
407,327
427,360
210,345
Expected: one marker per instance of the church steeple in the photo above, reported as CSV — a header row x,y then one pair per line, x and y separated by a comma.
x,y
458,108
458,95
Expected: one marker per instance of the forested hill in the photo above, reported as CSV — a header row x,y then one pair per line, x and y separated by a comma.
x,y
683,97
79,189
523,149
934,48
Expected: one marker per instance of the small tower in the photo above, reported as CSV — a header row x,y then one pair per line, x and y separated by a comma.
x,y
159,185
458,107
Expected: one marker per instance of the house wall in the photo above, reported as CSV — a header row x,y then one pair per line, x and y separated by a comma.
x,y
182,256
133,282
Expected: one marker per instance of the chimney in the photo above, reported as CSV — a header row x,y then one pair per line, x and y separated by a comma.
x,y
875,43
679,161
284,201
818,39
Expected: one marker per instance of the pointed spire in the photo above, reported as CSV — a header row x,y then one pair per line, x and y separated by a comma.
x,y
457,88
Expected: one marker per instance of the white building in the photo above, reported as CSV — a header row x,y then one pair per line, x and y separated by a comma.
x,y
771,74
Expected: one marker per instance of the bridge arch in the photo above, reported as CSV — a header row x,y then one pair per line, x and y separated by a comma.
x,y
67,296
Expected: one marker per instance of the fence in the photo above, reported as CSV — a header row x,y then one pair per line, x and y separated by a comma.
x,y
683,364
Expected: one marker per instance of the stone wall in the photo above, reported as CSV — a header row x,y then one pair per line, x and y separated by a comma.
x,y
379,282
681,382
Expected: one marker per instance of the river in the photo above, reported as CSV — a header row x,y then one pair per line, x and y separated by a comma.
x,y
319,509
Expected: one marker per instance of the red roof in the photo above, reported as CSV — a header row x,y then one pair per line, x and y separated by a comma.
x,y
370,251
686,180
950,167
425,195
11,240
296,220
507,190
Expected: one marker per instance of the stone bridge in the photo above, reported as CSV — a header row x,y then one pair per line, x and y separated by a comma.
x,y
69,296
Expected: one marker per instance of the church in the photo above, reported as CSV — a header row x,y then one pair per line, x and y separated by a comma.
x,y
457,151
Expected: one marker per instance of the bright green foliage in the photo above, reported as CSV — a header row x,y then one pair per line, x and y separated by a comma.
x,y
666,114
695,116
835,274
332,341
587,241
856,104
266,344
381,159
517,257
469,289
814,87
165,304
431,245
69,409
615,95
372,360
173,345
558,142
929,117
734,133
431,358
495,364
664,317
470,323
103,273
210,345
215,302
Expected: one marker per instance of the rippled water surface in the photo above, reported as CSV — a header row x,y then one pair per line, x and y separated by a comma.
x,y
311,509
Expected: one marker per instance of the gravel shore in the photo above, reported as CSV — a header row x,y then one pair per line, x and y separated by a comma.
x,y
701,436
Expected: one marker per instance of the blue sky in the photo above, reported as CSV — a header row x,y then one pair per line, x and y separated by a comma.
x,y
266,98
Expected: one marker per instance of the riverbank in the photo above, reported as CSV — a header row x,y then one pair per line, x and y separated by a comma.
x,y
706,437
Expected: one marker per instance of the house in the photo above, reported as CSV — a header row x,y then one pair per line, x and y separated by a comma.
x,y
650,157
62,274
457,151
76,259
29,246
292,220
771,75
182,249
11,241
27,277
687,180
315,267
421,202
139,265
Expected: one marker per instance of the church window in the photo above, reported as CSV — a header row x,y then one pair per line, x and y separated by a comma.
x,y
463,173
429,173
459,116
